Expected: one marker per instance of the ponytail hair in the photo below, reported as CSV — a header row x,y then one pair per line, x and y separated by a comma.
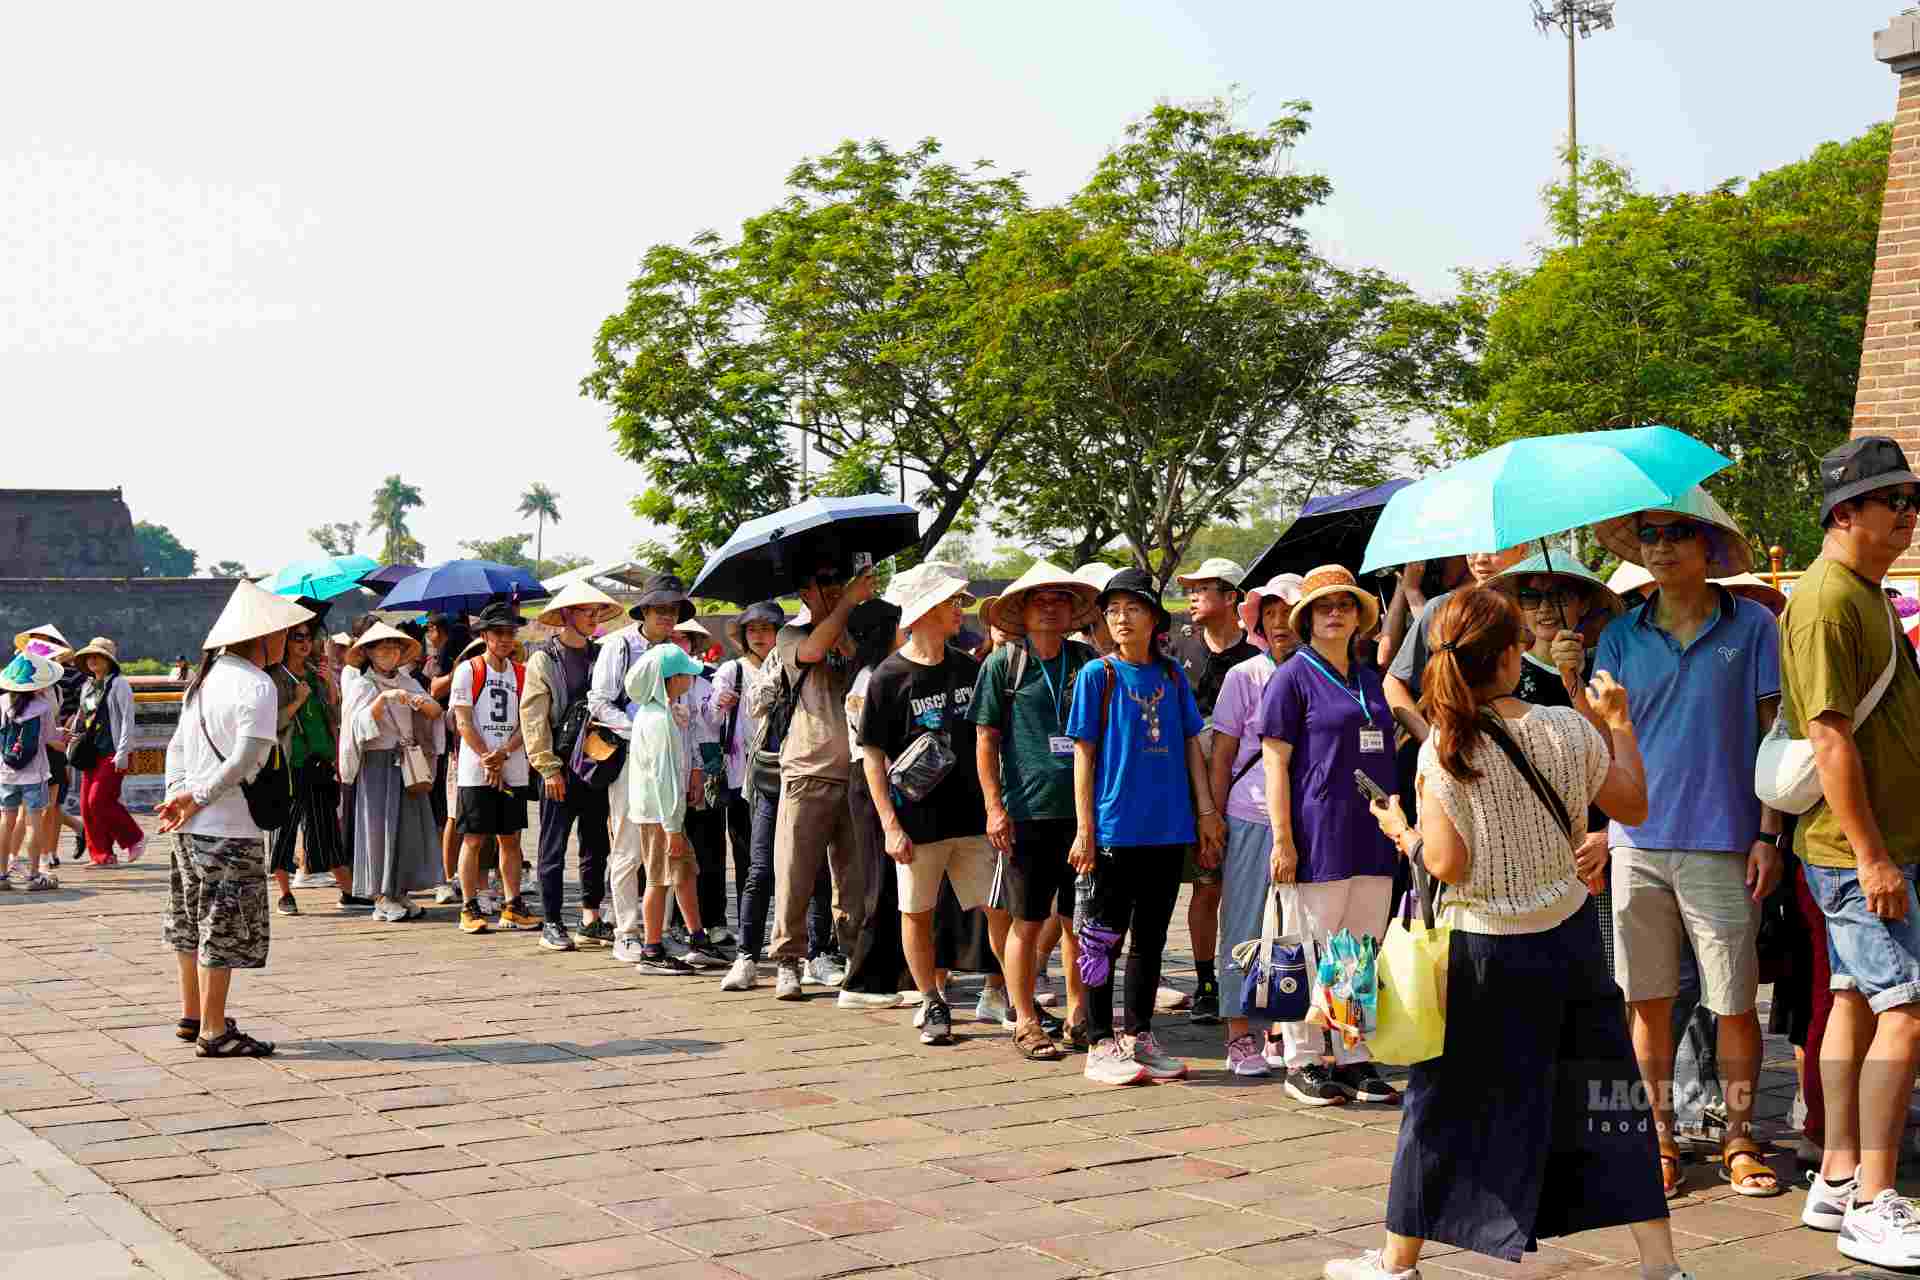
x,y
207,659
1468,640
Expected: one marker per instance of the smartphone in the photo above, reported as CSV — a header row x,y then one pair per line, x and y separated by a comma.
x,y
1369,789
862,564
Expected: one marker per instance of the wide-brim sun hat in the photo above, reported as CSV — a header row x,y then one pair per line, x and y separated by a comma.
x,y
1009,612
766,613
1730,553
1286,586
30,673
47,632
577,595
924,587
664,590
1096,574
1216,569
1565,568
1634,577
1139,584
381,631
251,613
1327,580
100,646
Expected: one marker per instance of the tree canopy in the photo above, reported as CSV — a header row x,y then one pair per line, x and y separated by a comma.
x,y
543,504
161,555
336,539
391,503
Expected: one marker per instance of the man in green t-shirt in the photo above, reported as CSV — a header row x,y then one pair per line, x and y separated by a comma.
x,y
1025,760
1861,841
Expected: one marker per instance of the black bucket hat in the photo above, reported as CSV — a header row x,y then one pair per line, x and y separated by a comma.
x,y
1136,582
498,616
1861,466
767,612
663,589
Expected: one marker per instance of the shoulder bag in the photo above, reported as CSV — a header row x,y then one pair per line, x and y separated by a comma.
x,y
269,793
1275,983
763,757
1785,777
929,758
1542,789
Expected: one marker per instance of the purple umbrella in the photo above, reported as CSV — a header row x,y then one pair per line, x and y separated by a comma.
x,y
387,577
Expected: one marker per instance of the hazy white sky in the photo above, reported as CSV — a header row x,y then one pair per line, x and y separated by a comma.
x,y
253,258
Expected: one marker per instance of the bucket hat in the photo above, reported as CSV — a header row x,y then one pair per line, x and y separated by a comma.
x,y
1287,587
1217,569
924,586
1861,465
251,613
100,645
663,590
578,595
46,632
1009,612
1135,582
767,612
1729,552
381,631
1507,581
1327,580
29,673
499,616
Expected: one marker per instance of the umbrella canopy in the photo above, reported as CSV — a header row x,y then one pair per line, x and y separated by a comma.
x,y
628,573
322,577
1329,530
1534,488
764,557
463,586
386,577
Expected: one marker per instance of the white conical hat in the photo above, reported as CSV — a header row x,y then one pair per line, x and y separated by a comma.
x,y
581,593
252,613
381,631
1008,611
49,631
1729,552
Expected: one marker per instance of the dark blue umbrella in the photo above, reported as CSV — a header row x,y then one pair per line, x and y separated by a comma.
x,y
765,557
387,577
464,586
1329,530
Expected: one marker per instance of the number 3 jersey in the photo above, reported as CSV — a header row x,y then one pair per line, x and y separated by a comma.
x,y
495,704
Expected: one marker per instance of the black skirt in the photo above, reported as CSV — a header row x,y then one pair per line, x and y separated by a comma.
x,y
1533,1121
316,817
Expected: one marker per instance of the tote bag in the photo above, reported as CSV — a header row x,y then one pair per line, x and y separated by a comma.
x,y
1276,984
1413,981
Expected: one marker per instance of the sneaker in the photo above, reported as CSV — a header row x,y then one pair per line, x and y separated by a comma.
x,y
824,971
992,1006
348,902
1160,1064
786,980
1884,1232
1245,1059
867,999
446,894
721,936
701,955
397,910
138,847
1827,1202
1206,1004
665,965
627,949
6,882
597,933
1313,1084
741,977
516,916
1361,1082
1371,1265
554,937
473,919
1111,1062
39,883
1170,998
313,880
937,1026
1274,1050
287,906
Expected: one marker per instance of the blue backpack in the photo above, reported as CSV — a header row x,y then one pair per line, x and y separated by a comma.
x,y
20,742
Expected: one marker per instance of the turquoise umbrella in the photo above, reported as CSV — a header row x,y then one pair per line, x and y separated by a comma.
x,y
1534,488
323,577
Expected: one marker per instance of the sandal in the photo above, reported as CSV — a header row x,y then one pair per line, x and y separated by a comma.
x,y
188,1029
1034,1044
1670,1177
235,1043
1757,1179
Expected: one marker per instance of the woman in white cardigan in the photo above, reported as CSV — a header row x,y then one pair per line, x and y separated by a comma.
x,y
396,846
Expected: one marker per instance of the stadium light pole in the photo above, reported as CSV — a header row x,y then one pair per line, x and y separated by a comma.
x,y
1573,18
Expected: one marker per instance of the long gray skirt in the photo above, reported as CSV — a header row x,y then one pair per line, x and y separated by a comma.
x,y
396,847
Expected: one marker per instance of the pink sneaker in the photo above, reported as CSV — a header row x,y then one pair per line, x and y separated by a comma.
x,y
1244,1058
139,847
1160,1064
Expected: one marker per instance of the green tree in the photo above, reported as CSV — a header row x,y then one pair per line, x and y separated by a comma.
x,y
543,504
228,569
842,315
509,550
161,555
1169,336
1734,314
338,539
391,503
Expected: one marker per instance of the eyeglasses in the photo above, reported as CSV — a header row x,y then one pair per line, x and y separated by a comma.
x,y
1898,503
1129,609
1676,533
1337,604
1531,599
299,637
1063,598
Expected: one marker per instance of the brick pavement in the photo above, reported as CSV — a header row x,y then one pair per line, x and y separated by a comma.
x,y
447,1106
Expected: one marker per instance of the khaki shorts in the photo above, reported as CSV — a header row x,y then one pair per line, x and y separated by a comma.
x,y
968,861
663,866
1666,899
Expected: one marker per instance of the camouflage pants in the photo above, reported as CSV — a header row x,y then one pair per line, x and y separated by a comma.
x,y
217,901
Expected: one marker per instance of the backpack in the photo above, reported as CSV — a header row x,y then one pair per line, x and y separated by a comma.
x,y
93,734
763,760
20,741
479,666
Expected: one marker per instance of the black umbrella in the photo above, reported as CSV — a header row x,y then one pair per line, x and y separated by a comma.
x,y
1330,530
765,557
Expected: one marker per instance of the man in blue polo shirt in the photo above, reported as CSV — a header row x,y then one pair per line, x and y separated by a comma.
x,y
1704,668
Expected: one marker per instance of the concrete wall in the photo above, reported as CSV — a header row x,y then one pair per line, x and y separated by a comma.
x,y
66,533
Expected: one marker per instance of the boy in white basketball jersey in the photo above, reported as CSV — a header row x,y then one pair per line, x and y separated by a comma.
x,y
493,776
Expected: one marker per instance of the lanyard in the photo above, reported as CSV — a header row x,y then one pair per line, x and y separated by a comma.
x,y
1059,711
1358,696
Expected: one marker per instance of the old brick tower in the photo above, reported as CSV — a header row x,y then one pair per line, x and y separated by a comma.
x,y
1888,401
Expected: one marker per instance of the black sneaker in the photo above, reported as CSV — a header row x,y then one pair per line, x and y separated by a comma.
x,y
554,937
287,906
1206,1004
702,955
664,965
937,1026
349,901
1313,1084
597,934
1361,1081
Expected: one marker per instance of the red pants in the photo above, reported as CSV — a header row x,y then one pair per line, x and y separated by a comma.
x,y
1816,1127
106,820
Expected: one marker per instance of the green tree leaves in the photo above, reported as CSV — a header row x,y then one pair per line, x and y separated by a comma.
x,y
161,555
391,503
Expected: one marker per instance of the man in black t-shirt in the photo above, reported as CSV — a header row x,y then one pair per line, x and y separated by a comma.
x,y
925,689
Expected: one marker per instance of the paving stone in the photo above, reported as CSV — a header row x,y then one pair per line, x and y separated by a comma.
x,y
381,1219
856,1217
676,1211
298,1262
800,1262
430,1245
499,1266
737,1235
1002,1264
635,1255
271,1232
574,1227
911,1246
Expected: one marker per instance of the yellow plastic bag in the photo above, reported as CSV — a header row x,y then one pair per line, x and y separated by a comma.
x,y
1412,984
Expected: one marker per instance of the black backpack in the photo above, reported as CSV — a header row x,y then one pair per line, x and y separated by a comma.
x,y
574,717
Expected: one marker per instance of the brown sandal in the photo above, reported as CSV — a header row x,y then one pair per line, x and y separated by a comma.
x,y
1757,1179
1034,1044
1671,1180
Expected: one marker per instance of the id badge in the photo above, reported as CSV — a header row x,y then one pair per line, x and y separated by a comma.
x,y
1060,744
1373,741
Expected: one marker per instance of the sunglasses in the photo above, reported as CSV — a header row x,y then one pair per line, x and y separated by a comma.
x,y
1531,599
1898,503
829,578
1674,534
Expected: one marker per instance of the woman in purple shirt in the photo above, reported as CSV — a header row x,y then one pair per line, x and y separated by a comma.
x,y
1323,716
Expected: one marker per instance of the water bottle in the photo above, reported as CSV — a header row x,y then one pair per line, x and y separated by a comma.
x,y
1082,901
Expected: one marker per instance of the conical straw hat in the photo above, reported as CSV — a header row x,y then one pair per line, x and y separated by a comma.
x,y
48,632
1729,552
252,613
1009,612
575,594
381,631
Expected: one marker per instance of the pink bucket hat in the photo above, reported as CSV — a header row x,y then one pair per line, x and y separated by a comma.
x,y
1286,585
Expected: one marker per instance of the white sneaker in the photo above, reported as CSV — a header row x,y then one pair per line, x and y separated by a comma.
x,y
139,847
313,880
392,910
446,893
1827,1202
1884,1232
823,971
868,1000
1370,1265
786,980
742,975
1166,998
994,1007
626,949
1111,1062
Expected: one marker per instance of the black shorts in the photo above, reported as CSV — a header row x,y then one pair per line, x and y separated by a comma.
x,y
56,771
489,811
438,796
1038,881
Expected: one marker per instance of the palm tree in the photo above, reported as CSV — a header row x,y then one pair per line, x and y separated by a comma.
x,y
391,502
543,504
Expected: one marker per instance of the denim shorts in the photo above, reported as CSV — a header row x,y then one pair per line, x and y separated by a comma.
x,y
31,794
1878,958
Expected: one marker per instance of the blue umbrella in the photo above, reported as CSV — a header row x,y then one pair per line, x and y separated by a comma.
x,y
765,556
1329,530
321,578
1534,488
463,586
386,577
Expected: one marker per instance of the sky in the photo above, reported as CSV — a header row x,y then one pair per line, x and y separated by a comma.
x,y
255,258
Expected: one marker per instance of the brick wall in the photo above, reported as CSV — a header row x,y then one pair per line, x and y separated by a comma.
x,y
1888,400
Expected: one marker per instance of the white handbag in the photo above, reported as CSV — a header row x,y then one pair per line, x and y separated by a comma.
x,y
1784,774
